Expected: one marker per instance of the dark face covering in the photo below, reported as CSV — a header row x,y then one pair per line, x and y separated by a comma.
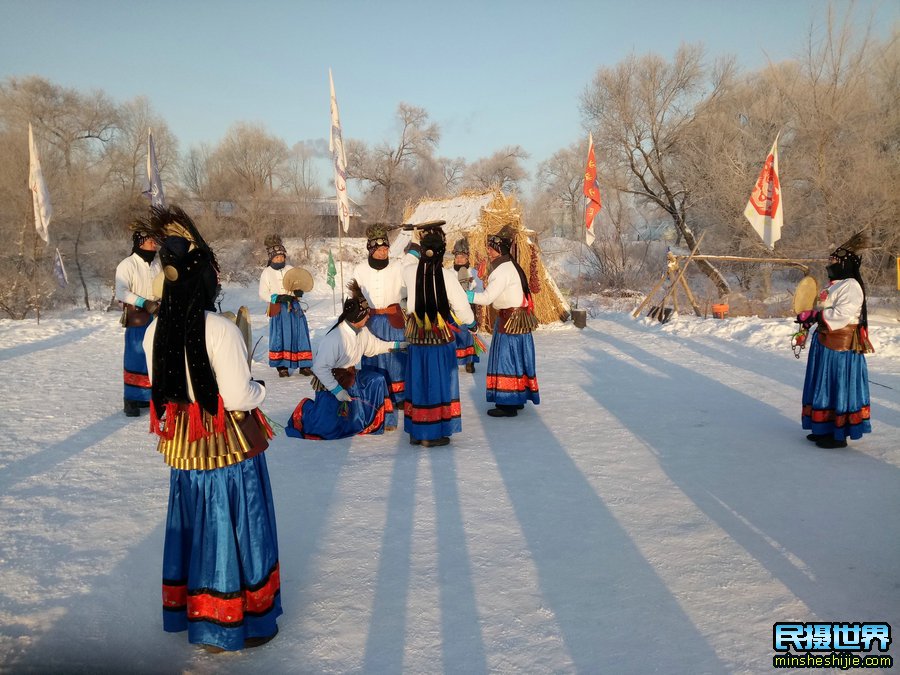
x,y
277,266
146,256
376,264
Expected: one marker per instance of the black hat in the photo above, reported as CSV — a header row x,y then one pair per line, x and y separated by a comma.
x,y
434,245
461,247
502,240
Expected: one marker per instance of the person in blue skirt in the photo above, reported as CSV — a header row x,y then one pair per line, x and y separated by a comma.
x,y
221,579
511,379
468,279
349,401
437,309
381,282
134,289
289,344
836,388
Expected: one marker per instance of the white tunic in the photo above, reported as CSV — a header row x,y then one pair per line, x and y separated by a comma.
x,y
344,347
381,287
503,289
843,304
228,358
134,279
271,282
459,301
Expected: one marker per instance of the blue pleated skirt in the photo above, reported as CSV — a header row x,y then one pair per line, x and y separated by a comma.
x,y
289,345
432,409
835,392
393,364
326,418
221,579
511,374
465,347
137,382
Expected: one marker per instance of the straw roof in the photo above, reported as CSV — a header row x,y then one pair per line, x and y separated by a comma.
x,y
477,215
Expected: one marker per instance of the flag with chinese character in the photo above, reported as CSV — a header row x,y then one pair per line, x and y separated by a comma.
x,y
332,270
592,192
336,145
765,209
154,184
40,196
59,271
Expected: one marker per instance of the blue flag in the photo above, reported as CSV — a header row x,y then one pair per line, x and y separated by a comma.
x,y
154,189
59,271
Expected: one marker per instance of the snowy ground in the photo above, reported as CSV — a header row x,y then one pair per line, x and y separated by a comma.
x,y
658,512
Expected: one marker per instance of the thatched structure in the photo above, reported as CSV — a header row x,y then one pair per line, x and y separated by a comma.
x,y
477,215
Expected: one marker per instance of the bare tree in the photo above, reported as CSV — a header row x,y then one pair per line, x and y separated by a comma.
x,y
502,170
562,178
389,168
639,111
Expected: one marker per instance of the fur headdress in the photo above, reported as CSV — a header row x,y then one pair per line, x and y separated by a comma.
x,y
274,246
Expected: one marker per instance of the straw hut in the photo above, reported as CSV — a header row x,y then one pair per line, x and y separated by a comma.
x,y
477,215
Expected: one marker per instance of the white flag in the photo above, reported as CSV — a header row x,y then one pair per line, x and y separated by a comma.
x,y
155,189
39,194
765,210
336,145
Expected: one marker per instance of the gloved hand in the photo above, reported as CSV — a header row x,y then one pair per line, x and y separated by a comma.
x,y
298,294
416,235
151,306
400,344
341,394
285,298
807,318
471,296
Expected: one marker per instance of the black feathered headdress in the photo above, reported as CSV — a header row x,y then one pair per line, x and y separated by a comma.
x,y
189,290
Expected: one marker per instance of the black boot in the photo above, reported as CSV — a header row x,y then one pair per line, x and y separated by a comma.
x,y
283,372
307,372
817,437
131,409
830,443
503,411
470,367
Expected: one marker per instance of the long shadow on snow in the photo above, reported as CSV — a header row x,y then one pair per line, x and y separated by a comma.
x,y
461,643
304,475
103,629
827,508
51,342
606,597
42,461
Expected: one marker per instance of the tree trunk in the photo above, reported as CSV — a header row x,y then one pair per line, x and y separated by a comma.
x,y
705,266
87,300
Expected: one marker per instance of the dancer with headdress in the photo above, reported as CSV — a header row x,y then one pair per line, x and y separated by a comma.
x,y
437,307
468,279
349,401
381,282
836,388
221,578
289,344
134,289
511,373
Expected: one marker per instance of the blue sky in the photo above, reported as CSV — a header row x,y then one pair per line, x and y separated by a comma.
x,y
490,73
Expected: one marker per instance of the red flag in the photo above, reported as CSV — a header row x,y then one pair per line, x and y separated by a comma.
x,y
592,192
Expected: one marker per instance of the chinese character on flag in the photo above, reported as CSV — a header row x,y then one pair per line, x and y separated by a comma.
x,y
592,192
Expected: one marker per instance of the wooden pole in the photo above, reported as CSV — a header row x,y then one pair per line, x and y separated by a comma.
x,y
684,267
649,295
690,296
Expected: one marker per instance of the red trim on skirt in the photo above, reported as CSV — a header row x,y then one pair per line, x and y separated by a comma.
x,y
137,380
855,417
290,356
511,383
223,608
432,414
